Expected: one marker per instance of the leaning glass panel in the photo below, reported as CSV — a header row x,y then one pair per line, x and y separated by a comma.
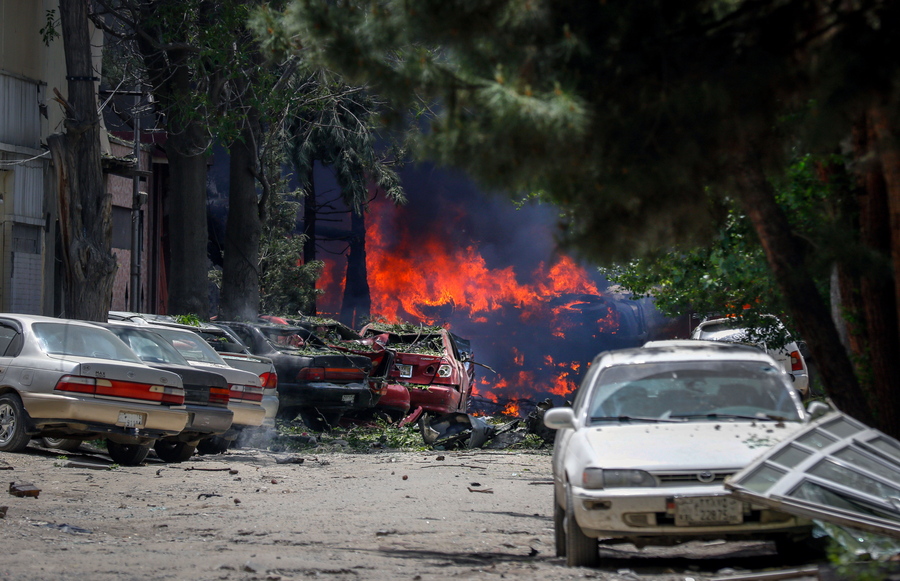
x,y
829,470
841,427
817,494
859,458
886,446
816,439
762,479
790,456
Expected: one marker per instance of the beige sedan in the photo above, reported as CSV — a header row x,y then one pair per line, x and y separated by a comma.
x,y
73,380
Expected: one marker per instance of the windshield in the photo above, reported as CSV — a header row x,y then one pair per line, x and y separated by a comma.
x,y
149,346
81,341
191,346
693,390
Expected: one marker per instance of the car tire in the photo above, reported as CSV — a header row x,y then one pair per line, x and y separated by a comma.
x,y
581,550
559,527
67,444
127,454
12,424
214,445
174,452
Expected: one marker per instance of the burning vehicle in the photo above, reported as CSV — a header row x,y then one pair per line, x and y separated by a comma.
x,y
318,382
436,366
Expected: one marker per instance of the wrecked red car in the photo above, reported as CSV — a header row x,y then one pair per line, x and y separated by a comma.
x,y
435,365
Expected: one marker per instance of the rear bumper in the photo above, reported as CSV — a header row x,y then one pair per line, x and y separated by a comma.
x,y
246,414
270,405
326,396
91,415
207,421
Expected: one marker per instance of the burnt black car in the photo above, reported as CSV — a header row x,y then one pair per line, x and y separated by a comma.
x,y
315,381
206,394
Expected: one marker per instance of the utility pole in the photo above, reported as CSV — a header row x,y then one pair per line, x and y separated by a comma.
x,y
137,200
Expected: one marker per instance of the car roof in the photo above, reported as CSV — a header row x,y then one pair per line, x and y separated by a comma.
x,y
683,350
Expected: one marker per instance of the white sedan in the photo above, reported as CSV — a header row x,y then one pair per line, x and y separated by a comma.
x,y
642,454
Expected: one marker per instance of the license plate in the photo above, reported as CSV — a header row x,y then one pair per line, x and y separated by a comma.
x,y
347,398
405,370
132,420
708,510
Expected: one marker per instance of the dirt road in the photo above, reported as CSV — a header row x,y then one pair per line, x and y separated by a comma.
x,y
243,515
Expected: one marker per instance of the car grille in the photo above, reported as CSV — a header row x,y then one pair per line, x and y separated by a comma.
x,y
695,478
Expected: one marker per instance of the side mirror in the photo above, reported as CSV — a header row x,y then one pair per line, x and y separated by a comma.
x,y
817,409
561,418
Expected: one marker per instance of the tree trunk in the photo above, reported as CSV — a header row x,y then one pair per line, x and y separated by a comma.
x,y
356,307
240,276
787,262
309,223
878,286
85,207
188,234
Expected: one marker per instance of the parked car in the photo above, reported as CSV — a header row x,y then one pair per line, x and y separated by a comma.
x,y
652,434
74,380
433,363
315,381
245,390
206,393
789,356
229,347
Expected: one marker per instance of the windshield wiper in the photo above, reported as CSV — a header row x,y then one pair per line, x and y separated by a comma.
x,y
635,419
715,416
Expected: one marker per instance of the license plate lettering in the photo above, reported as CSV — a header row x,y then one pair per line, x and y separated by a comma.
x,y
347,398
130,420
708,510
405,370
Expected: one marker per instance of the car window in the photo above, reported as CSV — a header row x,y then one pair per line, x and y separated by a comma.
x,y
7,337
81,341
191,346
289,337
150,347
692,390
222,342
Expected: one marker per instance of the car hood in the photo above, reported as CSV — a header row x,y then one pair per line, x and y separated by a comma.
x,y
707,445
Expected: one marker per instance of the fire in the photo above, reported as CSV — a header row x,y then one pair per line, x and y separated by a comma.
x,y
536,328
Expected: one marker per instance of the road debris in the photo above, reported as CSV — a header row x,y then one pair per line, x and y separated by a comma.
x,y
484,490
205,495
3,510
67,528
23,490
290,460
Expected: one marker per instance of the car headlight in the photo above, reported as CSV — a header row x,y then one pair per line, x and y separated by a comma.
x,y
596,478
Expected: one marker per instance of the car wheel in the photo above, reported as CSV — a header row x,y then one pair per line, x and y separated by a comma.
x,y
214,445
581,550
320,421
174,451
67,444
12,424
559,527
127,454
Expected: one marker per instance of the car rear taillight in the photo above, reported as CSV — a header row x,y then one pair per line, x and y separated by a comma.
x,y
246,393
269,380
311,374
444,370
796,361
219,395
128,389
